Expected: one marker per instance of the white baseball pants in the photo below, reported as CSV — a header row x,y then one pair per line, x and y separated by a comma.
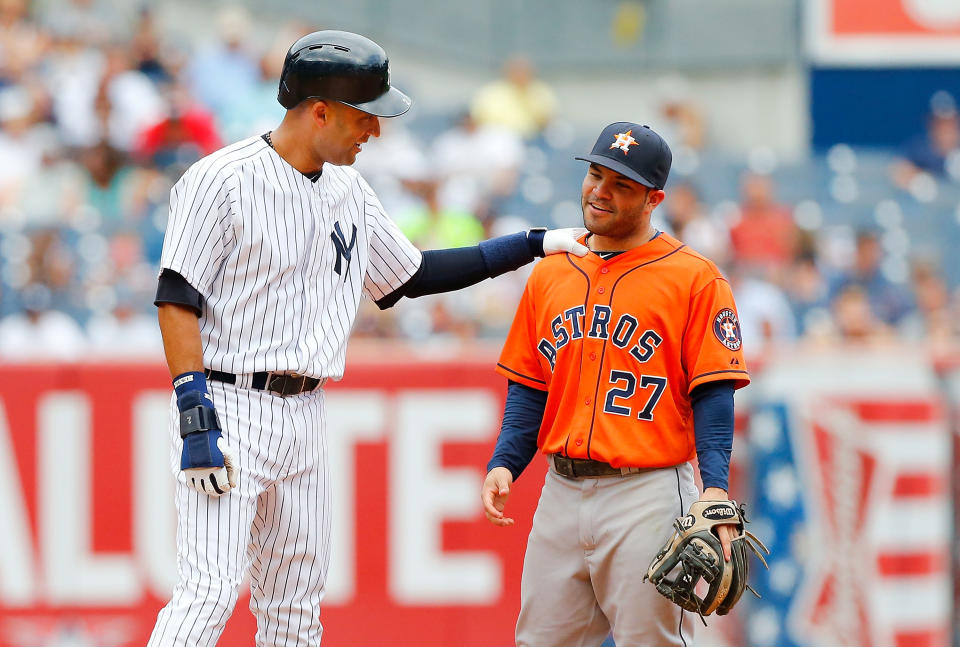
x,y
275,524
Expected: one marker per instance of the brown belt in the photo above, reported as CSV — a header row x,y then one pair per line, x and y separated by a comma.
x,y
283,384
573,468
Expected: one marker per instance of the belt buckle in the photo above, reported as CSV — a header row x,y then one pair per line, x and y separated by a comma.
x,y
295,383
563,466
287,384
277,383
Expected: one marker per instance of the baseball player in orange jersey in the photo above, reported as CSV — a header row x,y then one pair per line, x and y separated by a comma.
x,y
622,367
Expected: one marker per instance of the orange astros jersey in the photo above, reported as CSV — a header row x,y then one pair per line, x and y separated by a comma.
x,y
618,345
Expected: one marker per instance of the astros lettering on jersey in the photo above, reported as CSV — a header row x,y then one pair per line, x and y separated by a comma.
x,y
618,357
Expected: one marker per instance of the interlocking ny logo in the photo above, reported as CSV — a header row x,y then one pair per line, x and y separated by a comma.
x,y
340,244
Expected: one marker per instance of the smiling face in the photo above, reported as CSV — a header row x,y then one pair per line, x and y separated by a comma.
x,y
344,131
616,209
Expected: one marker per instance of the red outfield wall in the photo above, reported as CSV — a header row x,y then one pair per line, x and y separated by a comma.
x,y
87,525
86,547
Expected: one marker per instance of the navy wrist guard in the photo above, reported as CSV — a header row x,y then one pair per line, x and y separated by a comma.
x,y
198,418
535,241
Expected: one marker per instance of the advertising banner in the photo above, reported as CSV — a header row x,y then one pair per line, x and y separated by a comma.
x,y
852,460
883,32
844,460
87,554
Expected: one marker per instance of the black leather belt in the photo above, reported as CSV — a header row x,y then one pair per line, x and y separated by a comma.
x,y
573,468
282,384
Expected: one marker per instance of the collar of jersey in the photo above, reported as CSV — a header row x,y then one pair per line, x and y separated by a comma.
x,y
313,177
657,247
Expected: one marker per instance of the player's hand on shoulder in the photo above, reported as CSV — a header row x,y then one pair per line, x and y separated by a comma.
x,y
207,463
559,241
494,494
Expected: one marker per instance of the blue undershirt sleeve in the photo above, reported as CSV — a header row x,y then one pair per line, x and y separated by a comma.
x,y
445,270
713,429
522,416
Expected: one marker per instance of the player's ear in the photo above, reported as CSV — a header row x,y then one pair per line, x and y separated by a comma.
x,y
320,112
655,197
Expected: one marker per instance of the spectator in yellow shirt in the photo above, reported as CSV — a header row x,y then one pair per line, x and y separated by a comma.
x,y
432,223
519,101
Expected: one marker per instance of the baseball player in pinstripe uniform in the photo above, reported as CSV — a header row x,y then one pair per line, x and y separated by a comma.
x,y
270,245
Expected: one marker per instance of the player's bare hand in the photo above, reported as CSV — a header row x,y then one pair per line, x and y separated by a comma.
x,y
495,492
558,241
725,533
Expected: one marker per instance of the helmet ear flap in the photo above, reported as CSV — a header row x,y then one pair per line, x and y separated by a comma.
x,y
285,96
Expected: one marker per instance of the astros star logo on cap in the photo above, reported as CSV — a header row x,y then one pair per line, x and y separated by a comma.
x,y
624,141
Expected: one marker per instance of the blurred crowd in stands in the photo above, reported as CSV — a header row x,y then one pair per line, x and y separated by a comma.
x,y
100,113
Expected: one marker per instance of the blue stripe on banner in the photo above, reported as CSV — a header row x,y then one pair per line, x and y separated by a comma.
x,y
777,517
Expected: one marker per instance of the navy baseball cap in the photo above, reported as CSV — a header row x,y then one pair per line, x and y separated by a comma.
x,y
633,151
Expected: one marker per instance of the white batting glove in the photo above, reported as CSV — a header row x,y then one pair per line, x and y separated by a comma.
x,y
558,241
214,481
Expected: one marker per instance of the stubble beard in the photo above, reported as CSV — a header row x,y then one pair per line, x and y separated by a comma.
x,y
614,225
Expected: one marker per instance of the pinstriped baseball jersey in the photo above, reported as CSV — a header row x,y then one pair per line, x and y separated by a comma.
x,y
281,261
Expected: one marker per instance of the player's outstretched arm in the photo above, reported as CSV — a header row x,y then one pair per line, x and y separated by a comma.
x,y
446,270
205,460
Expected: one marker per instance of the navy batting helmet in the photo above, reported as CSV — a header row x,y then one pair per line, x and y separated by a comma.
x,y
344,67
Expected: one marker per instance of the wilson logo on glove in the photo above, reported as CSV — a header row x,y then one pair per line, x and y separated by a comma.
x,y
715,512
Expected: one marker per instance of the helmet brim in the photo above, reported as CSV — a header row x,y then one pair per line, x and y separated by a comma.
x,y
619,167
391,103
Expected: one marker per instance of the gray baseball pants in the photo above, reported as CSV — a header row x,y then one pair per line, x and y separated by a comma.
x,y
590,546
